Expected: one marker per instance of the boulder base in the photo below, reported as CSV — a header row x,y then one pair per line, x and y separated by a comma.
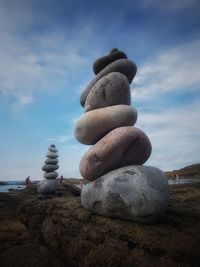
x,y
46,187
136,193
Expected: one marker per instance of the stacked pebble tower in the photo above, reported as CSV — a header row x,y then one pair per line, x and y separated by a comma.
x,y
50,184
121,187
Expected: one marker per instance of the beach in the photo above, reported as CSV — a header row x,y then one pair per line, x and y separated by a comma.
x,y
59,232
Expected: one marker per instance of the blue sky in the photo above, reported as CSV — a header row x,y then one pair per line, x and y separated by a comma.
x,y
47,50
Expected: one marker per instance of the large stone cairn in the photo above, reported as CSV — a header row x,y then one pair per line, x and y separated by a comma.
x,y
50,184
121,187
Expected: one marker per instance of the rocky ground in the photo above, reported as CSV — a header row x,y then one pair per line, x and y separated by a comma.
x,y
59,232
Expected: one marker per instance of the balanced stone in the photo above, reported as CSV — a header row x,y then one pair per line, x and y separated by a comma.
x,y
136,193
46,187
50,175
52,148
122,146
52,155
112,89
51,161
50,167
94,124
124,66
102,62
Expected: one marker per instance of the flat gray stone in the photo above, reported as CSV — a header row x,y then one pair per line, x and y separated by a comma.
x,y
135,193
111,89
102,62
50,167
51,161
122,146
50,175
124,66
52,149
46,187
51,155
94,124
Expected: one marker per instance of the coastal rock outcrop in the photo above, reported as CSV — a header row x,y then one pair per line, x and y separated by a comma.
x,y
50,184
121,188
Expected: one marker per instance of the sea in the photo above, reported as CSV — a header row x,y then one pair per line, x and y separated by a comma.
x,y
11,185
20,184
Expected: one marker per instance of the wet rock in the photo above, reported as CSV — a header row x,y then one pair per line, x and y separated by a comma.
x,y
136,193
124,66
120,147
94,124
112,89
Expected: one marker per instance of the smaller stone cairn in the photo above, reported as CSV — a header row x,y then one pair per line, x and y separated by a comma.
x,y
120,187
50,184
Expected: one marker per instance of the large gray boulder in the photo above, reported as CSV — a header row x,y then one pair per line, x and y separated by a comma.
x,y
137,193
46,187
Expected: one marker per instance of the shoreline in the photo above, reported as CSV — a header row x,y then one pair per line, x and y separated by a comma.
x,y
59,232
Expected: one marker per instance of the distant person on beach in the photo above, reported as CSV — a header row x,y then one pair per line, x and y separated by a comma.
x,y
177,178
27,181
81,183
61,179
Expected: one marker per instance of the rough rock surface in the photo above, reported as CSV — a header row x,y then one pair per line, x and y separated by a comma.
x,y
122,146
112,89
136,193
102,62
94,124
124,66
59,232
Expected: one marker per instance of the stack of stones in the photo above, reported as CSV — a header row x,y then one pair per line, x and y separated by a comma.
x,y
121,186
50,184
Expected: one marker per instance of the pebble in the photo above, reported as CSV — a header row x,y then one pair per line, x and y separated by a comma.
x,y
122,146
94,124
124,66
50,175
102,62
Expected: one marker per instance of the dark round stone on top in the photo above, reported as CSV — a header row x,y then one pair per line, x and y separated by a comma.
x,y
102,62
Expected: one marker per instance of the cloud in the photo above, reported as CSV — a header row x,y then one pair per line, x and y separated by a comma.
x,y
174,134
34,64
60,138
173,70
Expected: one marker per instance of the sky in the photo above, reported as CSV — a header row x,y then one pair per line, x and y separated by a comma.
x,y
47,49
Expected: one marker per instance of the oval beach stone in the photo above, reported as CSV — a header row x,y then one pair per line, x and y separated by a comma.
x,y
135,193
51,155
49,167
102,62
120,147
51,161
124,66
112,89
50,175
94,124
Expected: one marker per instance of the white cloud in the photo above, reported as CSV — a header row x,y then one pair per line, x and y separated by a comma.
x,y
174,134
173,70
60,138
